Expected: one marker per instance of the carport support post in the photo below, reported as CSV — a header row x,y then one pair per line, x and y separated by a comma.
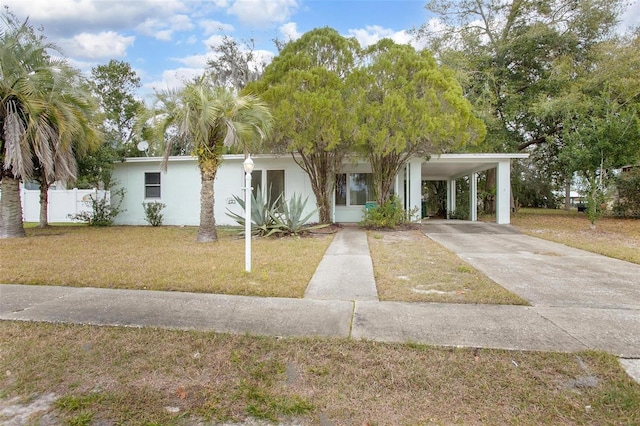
x,y
473,197
414,177
503,192
451,197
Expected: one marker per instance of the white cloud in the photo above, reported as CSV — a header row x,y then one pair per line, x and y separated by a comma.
x,y
163,29
63,18
214,41
374,33
262,13
195,61
214,27
290,31
631,17
261,58
172,79
108,44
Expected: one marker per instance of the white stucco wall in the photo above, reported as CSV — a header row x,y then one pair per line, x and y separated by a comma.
x,y
180,187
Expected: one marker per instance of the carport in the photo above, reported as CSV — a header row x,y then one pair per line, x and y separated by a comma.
x,y
450,168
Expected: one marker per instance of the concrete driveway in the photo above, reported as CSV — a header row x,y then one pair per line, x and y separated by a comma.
x,y
594,298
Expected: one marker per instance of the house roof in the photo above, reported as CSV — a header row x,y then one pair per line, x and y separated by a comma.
x,y
438,167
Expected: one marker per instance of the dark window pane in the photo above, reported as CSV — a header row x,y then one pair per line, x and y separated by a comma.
x,y
341,189
152,178
275,182
361,188
152,192
256,181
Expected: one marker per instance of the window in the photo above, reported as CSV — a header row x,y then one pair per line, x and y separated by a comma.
x,y
360,188
152,185
256,182
358,191
341,189
274,183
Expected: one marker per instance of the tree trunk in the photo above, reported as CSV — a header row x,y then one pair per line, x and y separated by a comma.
x,y
320,167
567,194
207,230
490,191
44,205
11,209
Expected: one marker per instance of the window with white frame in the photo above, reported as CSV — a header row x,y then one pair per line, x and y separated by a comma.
x,y
152,185
354,189
273,183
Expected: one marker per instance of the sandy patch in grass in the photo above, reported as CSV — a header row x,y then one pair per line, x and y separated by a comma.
x,y
408,266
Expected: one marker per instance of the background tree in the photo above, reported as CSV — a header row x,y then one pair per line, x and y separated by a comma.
x,y
304,86
235,65
209,118
405,105
42,118
508,56
115,85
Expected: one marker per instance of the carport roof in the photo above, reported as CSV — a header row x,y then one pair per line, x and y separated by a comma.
x,y
453,166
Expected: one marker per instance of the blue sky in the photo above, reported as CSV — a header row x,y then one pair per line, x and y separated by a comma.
x,y
167,41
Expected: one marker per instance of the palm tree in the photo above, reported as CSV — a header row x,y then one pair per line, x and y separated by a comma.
x,y
68,128
208,118
42,120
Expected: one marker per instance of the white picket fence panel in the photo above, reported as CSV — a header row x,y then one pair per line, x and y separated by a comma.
x,y
62,203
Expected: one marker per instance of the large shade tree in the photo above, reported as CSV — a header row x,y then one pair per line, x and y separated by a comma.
x,y
43,119
208,118
601,118
305,86
510,55
405,105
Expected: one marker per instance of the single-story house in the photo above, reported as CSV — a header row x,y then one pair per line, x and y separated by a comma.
x,y
179,187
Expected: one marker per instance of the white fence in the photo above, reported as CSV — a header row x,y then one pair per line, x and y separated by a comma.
x,y
62,203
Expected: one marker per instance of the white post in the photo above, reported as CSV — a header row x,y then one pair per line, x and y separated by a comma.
x,y
248,168
503,192
451,197
473,197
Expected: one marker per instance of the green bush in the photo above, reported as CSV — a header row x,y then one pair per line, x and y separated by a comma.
x,y
153,213
628,186
102,210
387,215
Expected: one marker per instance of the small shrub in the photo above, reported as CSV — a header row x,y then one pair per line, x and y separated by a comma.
x,y
153,213
628,186
387,215
102,210
460,214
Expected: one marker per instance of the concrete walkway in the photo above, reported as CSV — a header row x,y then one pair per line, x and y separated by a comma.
x,y
345,272
579,300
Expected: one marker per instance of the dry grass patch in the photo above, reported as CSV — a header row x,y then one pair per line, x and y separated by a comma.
x,y
409,266
613,237
163,258
104,375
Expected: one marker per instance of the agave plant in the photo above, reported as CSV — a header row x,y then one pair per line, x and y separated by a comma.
x,y
277,217
290,218
263,223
